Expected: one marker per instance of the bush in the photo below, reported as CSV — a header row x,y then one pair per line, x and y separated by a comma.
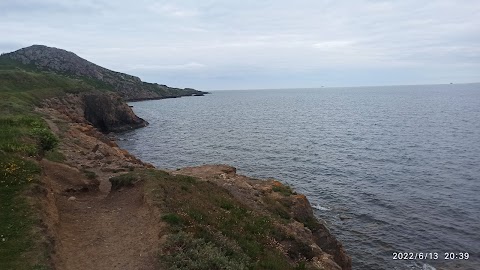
x,y
46,140
124,180
55,156
284,190
172,219
89,174
183,251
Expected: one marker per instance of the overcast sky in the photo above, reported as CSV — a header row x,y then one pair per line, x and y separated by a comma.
x,y
213,44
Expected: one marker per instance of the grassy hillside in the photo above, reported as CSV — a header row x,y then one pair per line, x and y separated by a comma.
x,y
23,137
68,64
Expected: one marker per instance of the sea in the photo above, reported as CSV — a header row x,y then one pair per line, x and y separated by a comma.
x,y
390,170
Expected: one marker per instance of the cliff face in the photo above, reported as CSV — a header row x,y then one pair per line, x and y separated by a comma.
x,y
105,111
67,63
108,112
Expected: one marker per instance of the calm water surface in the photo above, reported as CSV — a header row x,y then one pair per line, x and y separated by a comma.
x,y
389,169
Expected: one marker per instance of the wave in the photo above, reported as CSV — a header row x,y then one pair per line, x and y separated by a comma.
x,y
321,208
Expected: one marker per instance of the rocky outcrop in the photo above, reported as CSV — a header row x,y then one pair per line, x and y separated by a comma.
x,y
305,236
67,63
105,111
108,112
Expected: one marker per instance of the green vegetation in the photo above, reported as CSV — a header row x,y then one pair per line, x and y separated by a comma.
x,y
124,180
188,253
23,135
282,189
89,174
210,229
54,155
16,219
21,90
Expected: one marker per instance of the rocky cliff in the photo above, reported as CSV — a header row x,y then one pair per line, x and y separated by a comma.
x,y
105,111
239,221
67,63
308,238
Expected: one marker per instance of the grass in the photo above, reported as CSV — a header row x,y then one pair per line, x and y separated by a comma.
x,y
16,227
21,136
89,174
21,90
24,135
124,180
282,189
54,155
211,219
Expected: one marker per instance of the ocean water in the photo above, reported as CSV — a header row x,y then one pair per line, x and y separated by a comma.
x,y
389,169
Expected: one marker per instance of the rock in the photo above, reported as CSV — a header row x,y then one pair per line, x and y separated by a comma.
x,y
72,198
301,208
303,236
109,113
95,148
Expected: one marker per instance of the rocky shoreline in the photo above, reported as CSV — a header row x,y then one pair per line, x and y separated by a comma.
x,y
93,205
81,121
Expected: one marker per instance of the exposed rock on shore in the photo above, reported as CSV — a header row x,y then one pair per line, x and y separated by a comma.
x,y
110,113
105,111
308,237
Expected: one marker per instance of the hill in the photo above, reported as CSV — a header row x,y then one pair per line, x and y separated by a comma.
x,y
42,58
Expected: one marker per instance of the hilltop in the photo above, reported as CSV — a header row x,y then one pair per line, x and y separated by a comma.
x,y
62,62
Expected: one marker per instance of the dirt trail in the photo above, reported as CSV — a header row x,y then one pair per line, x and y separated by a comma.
x,y
93,228
113,232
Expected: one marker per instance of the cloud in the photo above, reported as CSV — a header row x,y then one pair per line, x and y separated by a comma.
x,y
173,10
202,42
333,44
186,66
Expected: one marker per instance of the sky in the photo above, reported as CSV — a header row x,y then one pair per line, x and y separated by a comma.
x,y
221,45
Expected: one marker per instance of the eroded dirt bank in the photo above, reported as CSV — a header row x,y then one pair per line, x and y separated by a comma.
x,y
94,228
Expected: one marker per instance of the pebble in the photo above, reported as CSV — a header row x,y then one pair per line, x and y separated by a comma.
x,y
72,198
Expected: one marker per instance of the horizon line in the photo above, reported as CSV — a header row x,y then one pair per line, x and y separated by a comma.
x,y
330,87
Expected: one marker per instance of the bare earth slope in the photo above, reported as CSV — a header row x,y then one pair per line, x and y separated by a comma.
x,y
94,228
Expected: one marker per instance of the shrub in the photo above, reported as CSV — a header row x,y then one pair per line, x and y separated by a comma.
x,y
172,219
284,190
46,140
89,174
183,251
124,180
55,156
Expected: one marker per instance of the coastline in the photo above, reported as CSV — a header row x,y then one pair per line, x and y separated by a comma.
x,y
94,152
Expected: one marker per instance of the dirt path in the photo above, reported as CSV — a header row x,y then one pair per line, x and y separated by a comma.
x,y
94,228
113,232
